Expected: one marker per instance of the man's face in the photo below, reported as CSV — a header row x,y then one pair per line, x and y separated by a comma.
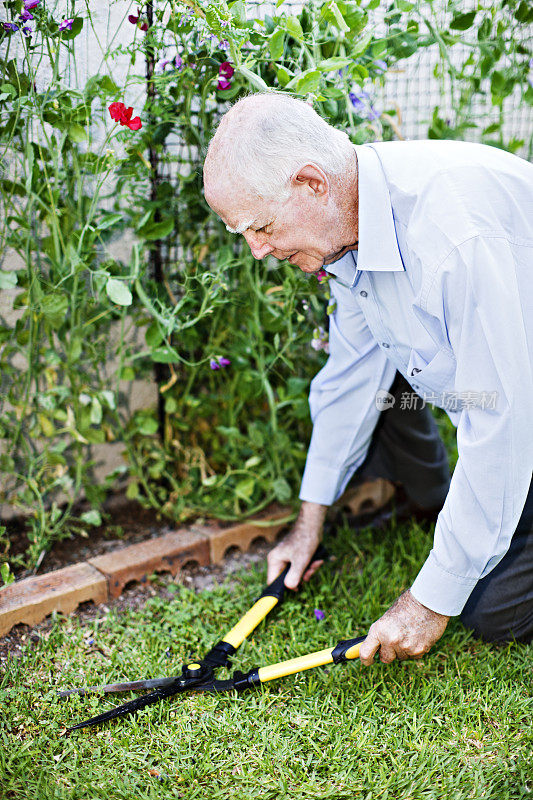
x,y
293,229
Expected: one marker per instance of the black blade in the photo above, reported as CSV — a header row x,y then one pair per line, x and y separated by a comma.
x,y
129,686
132,705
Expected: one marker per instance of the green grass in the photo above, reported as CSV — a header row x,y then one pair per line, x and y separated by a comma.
x,y
455,725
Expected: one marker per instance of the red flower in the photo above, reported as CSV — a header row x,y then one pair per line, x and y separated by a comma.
x,y
135,19
121,114
225,72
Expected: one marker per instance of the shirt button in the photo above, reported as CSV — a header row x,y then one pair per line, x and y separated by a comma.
x,y
363,293
385,344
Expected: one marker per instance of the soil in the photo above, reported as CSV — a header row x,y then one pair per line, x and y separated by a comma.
x,y
125,522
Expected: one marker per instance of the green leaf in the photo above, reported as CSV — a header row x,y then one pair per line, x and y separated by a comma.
x,y
8,89
153,336
96,412
132,492
118,292
254,79
282,490
92,517
339,19
147,426
492,128
361,45
54,309
8,280
165,355
156,230
308,81
330,64
275,45
294,27
108,398
284,76
7,576
245,488
403,5
497,82
77,133
108,220
462,22
238,11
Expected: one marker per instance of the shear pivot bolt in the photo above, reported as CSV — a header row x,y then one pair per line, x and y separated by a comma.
x,y
193,670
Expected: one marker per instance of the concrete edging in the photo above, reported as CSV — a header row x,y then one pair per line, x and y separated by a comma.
x,y
104,577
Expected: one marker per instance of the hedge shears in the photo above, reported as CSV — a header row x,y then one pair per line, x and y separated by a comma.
x,y
199,675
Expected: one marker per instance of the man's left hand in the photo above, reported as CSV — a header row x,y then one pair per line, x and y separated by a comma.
x,y
407,630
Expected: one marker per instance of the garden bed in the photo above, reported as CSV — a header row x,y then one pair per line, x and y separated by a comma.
x,y
454,725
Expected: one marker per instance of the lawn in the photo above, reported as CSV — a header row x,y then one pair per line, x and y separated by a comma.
x,y
455,725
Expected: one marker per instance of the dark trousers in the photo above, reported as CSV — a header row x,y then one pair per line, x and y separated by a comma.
x,y
406,448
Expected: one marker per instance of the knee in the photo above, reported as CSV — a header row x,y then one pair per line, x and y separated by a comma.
x,y
484,625
492,624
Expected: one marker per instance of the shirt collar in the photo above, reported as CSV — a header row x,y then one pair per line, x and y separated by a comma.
x,y
344,268
378,245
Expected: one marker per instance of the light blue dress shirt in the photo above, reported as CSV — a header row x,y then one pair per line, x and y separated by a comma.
x,y
441,289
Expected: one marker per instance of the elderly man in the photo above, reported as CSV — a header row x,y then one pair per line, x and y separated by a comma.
x,y
430,249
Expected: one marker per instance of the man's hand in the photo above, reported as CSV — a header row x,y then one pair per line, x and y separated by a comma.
x,y
298,546
407,630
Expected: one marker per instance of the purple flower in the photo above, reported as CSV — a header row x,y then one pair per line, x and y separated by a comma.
x,y
382,65
10,26
320,340
321,275
223,44
173,62
66,24
219,361
29,4
319,614
372,113
358,100
27,31
25,16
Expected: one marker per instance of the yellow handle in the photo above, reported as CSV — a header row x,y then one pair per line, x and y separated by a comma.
x,y
353,652
250,621
309,661
317,659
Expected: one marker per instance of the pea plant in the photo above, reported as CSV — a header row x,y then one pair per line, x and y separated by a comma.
x,y
231,343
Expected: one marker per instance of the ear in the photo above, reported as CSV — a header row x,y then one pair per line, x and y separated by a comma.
x,y
313,178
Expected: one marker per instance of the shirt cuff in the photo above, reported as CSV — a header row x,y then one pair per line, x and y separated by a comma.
x,y
441,591
321,483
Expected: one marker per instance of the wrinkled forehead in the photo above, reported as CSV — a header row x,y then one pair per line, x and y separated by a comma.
x,y
237,209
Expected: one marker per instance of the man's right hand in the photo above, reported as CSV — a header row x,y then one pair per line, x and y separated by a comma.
x,y
298,546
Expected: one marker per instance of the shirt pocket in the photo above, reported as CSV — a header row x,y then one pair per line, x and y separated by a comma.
x,y
434,375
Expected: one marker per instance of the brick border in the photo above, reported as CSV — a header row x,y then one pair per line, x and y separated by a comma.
x,y
98,579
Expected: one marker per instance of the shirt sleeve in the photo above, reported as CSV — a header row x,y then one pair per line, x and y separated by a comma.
x,y
483,297
342,400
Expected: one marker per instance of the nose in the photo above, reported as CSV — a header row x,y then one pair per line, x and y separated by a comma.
x,y
259,249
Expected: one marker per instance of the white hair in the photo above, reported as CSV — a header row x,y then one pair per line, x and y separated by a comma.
x,y
268,136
